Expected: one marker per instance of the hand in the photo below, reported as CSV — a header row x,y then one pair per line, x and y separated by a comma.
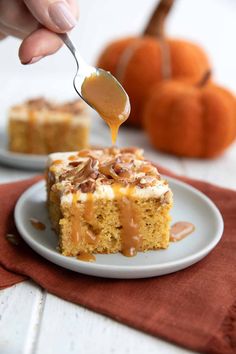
x,y
36,21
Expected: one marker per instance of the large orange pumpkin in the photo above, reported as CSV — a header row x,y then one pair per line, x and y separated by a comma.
x,y
140,62
190,120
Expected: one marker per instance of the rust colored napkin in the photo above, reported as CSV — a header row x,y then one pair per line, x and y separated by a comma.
x,y
194,308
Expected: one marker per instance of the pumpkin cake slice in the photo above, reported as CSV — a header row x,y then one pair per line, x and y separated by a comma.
x,y
107,201
42,127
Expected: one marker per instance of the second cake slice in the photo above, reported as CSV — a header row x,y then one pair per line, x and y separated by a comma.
x,y
41,127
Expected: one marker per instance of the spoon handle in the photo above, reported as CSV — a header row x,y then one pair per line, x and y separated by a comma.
x,y
70,45
68,42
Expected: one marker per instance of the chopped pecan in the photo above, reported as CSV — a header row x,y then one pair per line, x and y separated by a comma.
x,y
124,182
166,198
104,181
146,181
94,175
88,186
118,168
79,175
107,170
86,171
121,171
128,159
13,239
75,163
68,174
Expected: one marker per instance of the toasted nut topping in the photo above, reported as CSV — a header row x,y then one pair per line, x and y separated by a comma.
x,y
143,181
87,187
166,198
90,168
75,163
13,239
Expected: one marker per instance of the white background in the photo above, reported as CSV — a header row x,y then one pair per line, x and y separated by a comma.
x,y
31,320
212,23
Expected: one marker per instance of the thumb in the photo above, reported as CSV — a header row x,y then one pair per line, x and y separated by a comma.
x,y
57,15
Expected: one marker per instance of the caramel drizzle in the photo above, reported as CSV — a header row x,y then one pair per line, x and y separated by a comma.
x,y
108,99
90,236
131,240
31,124
89,209
76,229
114,127
78,233
72,157
86,257
38,225
57,162
180,230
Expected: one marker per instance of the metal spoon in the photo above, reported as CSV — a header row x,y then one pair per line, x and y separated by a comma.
x,y
85,70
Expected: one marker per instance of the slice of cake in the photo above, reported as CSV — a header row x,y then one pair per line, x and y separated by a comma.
x,y
41,127
107,201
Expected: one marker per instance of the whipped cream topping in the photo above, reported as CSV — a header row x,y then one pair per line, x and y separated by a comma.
x,y
43,110
97,171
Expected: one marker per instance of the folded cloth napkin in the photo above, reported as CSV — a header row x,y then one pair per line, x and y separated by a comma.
x,y
194,308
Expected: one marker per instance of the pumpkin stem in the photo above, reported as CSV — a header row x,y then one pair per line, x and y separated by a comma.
x,y
204,80
156,24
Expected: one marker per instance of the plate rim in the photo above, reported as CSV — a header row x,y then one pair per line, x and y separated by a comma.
x,y
194,258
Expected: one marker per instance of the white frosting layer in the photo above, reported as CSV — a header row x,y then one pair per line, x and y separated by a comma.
x,y
104,191
22,114
60,156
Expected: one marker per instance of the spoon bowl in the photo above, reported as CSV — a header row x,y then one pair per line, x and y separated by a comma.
x,y
100,90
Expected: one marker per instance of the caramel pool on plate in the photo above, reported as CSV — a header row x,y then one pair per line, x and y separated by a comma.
x,y
108,98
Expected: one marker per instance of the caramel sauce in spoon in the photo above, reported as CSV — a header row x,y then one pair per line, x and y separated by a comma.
x,y
108,98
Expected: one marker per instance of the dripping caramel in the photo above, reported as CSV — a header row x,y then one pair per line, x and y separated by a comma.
x,y
108,98
130,238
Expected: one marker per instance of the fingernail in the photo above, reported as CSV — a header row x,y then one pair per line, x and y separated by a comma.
x,y
33,60
61,15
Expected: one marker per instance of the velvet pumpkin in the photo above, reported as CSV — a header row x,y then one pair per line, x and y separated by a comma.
x,y
190,120
140,62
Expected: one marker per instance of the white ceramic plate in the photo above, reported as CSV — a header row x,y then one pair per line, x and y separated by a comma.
x,y
189,205
26,161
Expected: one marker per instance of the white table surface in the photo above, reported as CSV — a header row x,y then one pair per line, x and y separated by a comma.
x,y
32,320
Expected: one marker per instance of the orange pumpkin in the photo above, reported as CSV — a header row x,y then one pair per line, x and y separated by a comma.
x,y
140,62
190,120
